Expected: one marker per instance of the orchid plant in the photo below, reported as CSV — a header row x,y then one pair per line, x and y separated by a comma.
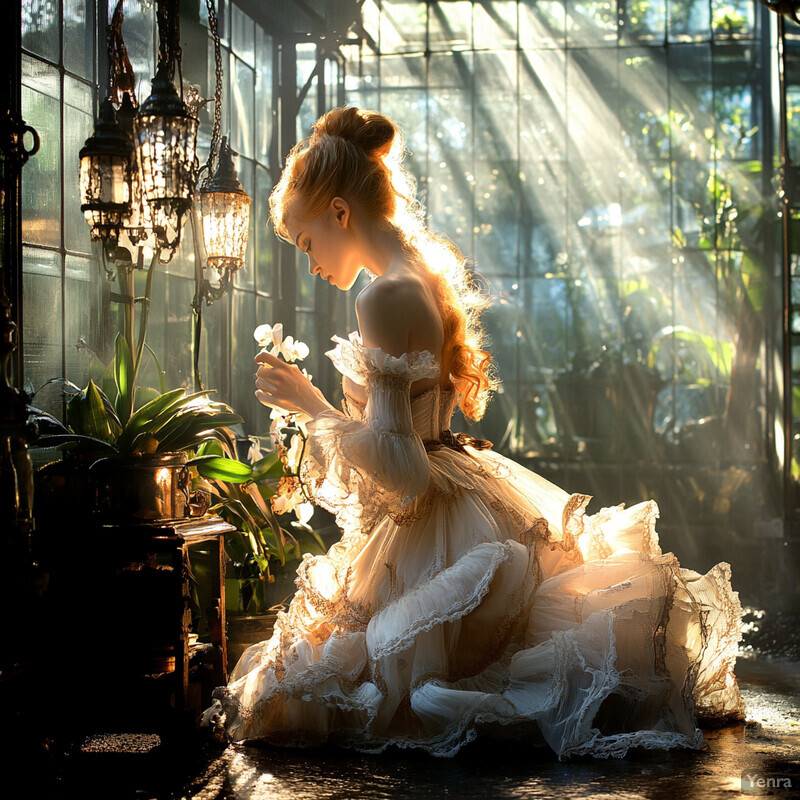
x,y
258,496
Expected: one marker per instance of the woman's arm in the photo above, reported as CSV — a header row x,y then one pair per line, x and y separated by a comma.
x,y
284,385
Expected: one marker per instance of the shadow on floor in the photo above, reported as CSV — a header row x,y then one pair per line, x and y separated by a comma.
x,y
760,757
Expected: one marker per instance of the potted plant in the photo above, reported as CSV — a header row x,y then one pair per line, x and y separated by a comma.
x,y
127,444
268,503
137,469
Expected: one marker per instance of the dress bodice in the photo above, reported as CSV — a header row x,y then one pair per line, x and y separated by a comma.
x,y
431,411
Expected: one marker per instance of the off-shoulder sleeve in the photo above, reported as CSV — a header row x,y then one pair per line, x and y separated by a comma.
x,y
364,468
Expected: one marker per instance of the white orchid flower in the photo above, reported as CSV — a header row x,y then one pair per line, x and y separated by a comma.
x,y
274,429
281,503
304,512
284,503
254,453
267,335
293,350
294,452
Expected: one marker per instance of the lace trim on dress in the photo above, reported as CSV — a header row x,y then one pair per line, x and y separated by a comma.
x,y
497,553
359,363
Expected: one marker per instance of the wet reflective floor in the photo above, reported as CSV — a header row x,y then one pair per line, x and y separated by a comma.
x,y
761,757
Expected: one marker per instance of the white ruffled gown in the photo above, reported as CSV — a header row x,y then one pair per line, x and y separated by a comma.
x,y
469,596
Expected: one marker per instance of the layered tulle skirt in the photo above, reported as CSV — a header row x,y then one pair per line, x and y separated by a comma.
x,y
493,605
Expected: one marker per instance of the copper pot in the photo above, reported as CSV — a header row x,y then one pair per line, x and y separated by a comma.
x,y
150,486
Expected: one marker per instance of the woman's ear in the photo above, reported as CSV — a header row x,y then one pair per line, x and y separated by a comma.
x,y
341,211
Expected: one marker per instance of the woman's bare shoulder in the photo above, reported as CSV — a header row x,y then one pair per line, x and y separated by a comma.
x,y
397,313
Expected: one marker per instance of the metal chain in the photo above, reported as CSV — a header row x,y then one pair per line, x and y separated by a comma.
x,y
217,127
121,77
168,19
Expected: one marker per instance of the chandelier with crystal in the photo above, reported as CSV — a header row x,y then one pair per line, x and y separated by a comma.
x,y
222,205
139,168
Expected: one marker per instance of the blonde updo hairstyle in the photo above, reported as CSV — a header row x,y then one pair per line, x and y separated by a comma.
x,y
358,155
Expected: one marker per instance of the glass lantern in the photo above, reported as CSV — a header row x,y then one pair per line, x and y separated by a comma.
x,y
105,176
165,134
225,211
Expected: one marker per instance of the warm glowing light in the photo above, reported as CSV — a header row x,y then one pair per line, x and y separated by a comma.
x,y
105,176
165,135
225,214
226,224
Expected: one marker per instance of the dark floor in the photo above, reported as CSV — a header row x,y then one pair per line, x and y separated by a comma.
x,y
760,757
766,746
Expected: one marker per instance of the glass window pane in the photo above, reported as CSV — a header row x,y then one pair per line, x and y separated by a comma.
x,y
496,227
139,30
307,332
242,99
306,282
79,38
41,178
264,239
306,62
688,20
263,111
78,126
592,23
644,22
243,350
42,313
496,104
403,26
732,18
542,105
245,277
409,108
40,33
542,23
370,19
495,25
83,338
450,26
243,35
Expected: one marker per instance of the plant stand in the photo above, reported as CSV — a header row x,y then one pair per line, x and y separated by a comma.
x,y
123,605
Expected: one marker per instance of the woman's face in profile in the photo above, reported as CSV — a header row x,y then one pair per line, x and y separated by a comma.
x,y
328,242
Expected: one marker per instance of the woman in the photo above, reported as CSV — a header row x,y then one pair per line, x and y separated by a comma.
x,y
467,595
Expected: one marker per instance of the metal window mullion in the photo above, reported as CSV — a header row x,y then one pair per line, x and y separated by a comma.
x,y
672,225
767,156
473,104
62,192
521,308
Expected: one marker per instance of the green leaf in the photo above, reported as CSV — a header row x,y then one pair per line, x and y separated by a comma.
x,y
123,377
267,491
145,395
143,417
212,448
99,424
162,377
107,382
223,469
192,428
268,467
87,443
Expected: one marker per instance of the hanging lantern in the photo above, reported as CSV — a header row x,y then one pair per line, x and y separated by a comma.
x,y
105,176
225,210
138,227
165,137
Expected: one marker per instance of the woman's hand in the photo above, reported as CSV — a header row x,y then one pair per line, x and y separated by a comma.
x,y
283,385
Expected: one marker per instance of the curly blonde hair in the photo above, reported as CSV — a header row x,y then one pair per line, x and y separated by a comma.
x,y
358,155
